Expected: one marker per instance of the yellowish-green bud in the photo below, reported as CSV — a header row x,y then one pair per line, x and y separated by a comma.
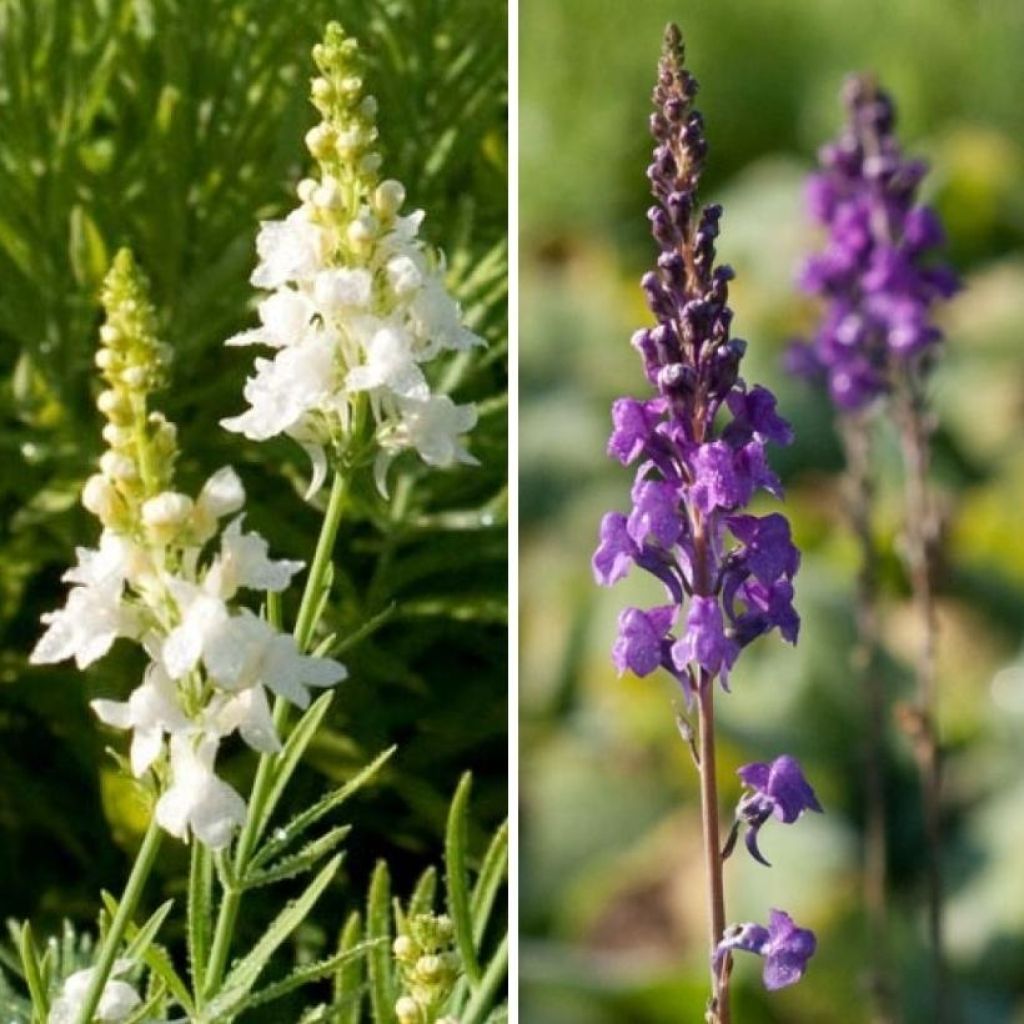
x,y
388,198
322,90
404,948
320,141
100,497
408,1011
359,233
166,515
116,466
115,406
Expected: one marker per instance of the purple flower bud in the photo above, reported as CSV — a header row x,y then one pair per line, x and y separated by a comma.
x,y
785,947
777,789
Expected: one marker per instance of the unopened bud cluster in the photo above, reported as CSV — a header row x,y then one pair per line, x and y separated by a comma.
x,y
429,968
153,579
141,446
358,303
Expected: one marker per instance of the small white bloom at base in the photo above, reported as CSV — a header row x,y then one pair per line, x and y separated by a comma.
x,y
197,802
117,1002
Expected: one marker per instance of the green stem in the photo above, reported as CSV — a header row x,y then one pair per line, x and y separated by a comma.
x,y
305,625
125,911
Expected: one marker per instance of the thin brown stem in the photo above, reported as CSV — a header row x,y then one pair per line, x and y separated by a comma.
x,y
719,1013
921,723
856,436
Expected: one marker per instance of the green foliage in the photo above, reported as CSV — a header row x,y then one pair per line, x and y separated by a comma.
x,y
175,126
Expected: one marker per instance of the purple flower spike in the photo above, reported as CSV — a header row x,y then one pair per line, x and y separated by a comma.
x,y
878,273
785,947
777,789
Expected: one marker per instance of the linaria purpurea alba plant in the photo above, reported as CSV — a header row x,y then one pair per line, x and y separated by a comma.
x,y
181,576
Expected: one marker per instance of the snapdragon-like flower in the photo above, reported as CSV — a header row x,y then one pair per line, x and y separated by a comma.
x,y
778,790
118,1001
358,304
785,947
167,573
699,445
878,272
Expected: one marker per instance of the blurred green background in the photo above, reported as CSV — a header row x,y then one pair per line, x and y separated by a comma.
x,y
175,126
612,900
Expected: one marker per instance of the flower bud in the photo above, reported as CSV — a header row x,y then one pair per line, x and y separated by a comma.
x,y
388,198
408,1011
100,497
110,335
165,514
430,968
321,90
368,107
135,377
222,494
114,406
104,358
320,141
404,948
116,466
116,436
306,189
359,233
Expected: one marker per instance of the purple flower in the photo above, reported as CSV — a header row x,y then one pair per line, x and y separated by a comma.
x,y
716,482
778,790
655,513
642,641
768,550
785,948
705,642
877,273
755,416
632,425
617,551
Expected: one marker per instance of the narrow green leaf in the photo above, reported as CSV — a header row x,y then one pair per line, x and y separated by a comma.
x,y
147,1011
86,249
304,975
366,629
288,760
158,960
423,896
281,838
378,929
33,975
481,1001
200,912
348,979
456,878
144,936
246,971
489,882
297,863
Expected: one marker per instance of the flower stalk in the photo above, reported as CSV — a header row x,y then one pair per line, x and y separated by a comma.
x,y
699,447
144,861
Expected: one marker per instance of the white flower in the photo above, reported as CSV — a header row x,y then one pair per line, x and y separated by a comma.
x,y
249,713
246,651
86,627
389,364
151,711
196,800
117,1002
202,614
299,379
243,562
404,275
107,565
336,291
222,494
289,250
436,317
285,317
433,427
